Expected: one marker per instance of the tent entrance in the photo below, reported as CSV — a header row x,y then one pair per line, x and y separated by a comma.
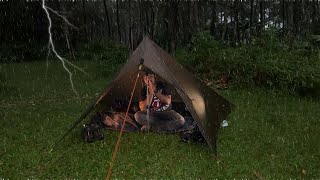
x,y
208,108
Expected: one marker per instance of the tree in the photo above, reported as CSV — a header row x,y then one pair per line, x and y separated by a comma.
x,y
65,27
130,28
252,10
85,19
107,16
236,33
118,21
155,10
175,26
225,22
213,18
261,12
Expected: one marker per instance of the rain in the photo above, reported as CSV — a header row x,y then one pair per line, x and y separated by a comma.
x,y
159,89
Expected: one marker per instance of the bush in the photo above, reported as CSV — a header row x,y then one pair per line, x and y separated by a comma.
x,y
107,54
267,62
2,78
200,56
3,82
22,52
104,52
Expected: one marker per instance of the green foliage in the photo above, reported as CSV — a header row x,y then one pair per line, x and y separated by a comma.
x,y
104,52
2,77
21,51
266,62
107,55
3,81
198,53
315,40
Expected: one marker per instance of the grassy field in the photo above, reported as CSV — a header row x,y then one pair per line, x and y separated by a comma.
x,y
270,134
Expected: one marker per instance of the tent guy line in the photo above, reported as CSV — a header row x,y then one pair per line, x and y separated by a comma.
x,y
123,125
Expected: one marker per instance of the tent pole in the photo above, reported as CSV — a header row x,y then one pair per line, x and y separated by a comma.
x,y
148,105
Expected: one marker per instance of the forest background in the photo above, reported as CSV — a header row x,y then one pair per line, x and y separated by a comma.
x,y
274,44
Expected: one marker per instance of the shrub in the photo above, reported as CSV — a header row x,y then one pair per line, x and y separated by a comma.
x,y
200,56
107,54
267,62
22,52
3,85
104,52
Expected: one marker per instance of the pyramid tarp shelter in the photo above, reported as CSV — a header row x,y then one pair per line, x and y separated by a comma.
x,y
207,107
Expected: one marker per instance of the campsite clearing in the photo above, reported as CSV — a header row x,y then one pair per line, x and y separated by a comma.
x,y
270,134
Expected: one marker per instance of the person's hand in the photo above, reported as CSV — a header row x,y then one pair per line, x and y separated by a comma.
x,y
151,87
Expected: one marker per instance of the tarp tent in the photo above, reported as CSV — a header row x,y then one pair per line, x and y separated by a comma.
x,y
207,107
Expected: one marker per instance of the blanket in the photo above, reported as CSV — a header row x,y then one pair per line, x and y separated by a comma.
x,y
115,120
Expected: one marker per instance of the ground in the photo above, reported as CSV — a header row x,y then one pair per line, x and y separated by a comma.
x,y
270,134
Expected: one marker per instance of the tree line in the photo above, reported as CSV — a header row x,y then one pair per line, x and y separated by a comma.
x,y
170,23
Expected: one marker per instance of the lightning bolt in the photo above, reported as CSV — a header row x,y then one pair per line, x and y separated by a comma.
x,y
51,46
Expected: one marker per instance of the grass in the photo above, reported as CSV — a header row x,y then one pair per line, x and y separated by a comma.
x,y
270,135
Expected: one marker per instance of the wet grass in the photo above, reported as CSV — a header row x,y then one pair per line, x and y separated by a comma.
x,y
270,134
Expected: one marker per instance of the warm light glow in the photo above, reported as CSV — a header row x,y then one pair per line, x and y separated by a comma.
x,y
198,104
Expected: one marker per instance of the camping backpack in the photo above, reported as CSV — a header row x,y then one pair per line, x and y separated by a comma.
x,y
91,131
193,135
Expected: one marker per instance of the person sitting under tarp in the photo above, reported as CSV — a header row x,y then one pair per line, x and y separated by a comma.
x,y
160,117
